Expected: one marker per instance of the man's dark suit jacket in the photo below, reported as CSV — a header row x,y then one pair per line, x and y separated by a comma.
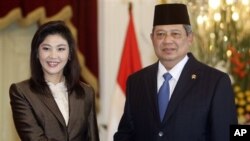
x,y
38,118
201,107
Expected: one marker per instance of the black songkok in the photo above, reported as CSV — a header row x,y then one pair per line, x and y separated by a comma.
x,y
166,14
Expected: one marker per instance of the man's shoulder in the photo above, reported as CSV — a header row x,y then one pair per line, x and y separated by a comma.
x,y
204,67
211,69
144,72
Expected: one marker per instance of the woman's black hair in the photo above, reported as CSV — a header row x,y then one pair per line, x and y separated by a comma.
x,y
71,70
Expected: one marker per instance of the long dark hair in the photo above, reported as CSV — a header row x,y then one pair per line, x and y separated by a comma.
x,y
71,70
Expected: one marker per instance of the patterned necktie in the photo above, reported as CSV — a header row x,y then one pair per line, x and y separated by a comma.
x,y
163,95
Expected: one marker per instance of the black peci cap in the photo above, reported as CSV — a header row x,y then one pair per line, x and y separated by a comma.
x,y
166,14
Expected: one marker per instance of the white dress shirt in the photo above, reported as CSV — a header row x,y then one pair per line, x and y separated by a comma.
x,y
175,72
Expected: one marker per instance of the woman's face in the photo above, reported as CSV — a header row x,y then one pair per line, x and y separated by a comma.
x,y
53,55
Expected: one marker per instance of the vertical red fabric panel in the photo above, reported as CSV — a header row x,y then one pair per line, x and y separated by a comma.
x,y
54,6
85,20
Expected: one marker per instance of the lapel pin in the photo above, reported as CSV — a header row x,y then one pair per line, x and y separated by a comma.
x,y
193,76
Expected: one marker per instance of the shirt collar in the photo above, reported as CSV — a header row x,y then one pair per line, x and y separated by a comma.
x,y
175,71
60,84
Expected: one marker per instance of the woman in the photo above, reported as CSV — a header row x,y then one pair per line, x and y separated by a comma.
x,y
53,105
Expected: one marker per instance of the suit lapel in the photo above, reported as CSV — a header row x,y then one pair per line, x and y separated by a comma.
x,y
74,106
151,85
186,81
49,101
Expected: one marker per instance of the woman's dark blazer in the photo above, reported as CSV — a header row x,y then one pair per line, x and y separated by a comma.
x,y
38,118
201,107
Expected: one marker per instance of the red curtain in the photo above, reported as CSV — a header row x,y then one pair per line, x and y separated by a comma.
x,y
85,20
80,16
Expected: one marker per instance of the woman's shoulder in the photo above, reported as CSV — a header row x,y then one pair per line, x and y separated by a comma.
x,y
21,85
88,89
20,88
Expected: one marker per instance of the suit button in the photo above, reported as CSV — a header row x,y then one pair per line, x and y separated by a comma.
x,y
160,134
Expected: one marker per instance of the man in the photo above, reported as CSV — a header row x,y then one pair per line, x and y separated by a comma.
x,y
199,101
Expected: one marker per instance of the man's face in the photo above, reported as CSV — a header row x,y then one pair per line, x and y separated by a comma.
x,y
171,43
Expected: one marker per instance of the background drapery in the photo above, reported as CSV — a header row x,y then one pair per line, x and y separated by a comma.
x,y
80,16
19,19
113,19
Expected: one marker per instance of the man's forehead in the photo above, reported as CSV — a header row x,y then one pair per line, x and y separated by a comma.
x,y
170,27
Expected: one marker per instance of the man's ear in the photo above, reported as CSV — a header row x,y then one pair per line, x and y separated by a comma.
x,y
190,38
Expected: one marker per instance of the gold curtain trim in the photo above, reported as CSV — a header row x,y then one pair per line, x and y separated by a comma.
x,y
10,18
37,15
89,77
65,14
72,28
33,17
85,72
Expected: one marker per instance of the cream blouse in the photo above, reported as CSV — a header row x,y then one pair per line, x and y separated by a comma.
x,y
60,94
